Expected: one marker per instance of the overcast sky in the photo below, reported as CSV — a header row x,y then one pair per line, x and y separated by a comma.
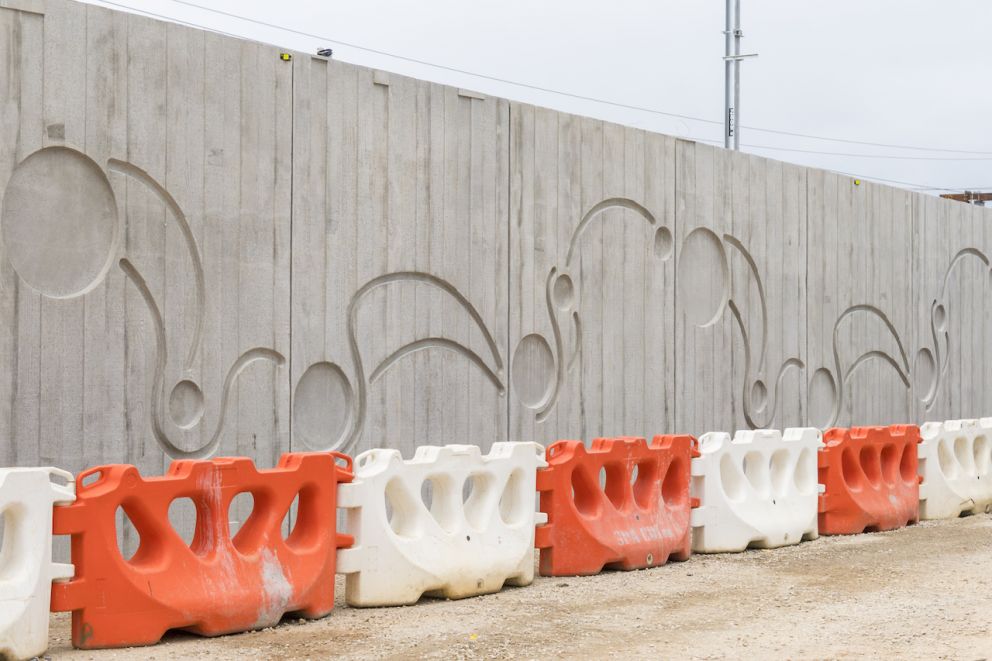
x,y
901,72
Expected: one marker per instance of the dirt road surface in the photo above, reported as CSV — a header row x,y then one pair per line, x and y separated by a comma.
x,y
922,592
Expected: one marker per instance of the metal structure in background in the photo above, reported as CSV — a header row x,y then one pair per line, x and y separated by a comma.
x,y
732,71
970,196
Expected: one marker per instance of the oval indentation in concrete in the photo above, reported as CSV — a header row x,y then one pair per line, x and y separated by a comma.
x,y
563,292
924,374
322,406
533,370
663,243
186,404
940,317
703,277
822,397
59,222
759,396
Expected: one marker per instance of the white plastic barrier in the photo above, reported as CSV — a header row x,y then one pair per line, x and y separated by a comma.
x,y
26,567
476,534
956,465
759,490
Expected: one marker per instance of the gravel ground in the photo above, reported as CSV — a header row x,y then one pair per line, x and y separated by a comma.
x,y
920,592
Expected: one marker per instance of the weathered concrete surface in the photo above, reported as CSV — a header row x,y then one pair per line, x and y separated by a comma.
x,y
207,250
915,593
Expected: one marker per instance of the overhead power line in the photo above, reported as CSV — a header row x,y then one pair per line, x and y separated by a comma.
x,y
853,155
163,17
540,88
587,98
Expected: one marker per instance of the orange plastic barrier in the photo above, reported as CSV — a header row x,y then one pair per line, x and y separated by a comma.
x,y
630,522
870,475
217,584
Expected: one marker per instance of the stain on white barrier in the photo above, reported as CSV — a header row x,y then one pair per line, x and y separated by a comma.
x,y
449,523
956,466
26,568
758,490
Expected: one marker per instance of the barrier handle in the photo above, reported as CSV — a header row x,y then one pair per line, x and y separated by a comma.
x,y
87,473
343,457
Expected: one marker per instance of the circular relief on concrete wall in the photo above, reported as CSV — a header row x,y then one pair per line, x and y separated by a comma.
x,y
822,397
924,374
703,277
533,371
322,406
59,222
186,404
563,292
663,243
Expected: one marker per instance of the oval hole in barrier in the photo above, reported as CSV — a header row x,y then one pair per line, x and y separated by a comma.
x,y
289,521
182,517
778,471
615,484
756,471
983,455
436,492
644,479
513,503
890,464
731,478
945,457
128,539
909,464
851,470
675,486
805,473
585,494
400,512
963,453
870,465
9,567
238,514
479,487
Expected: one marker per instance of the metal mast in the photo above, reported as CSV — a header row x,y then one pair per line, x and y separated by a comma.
x,y
732,37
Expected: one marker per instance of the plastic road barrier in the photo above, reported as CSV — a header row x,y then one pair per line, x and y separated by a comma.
x,y
26,568
757,491
621,504
956,467
218,583
450,522
871,480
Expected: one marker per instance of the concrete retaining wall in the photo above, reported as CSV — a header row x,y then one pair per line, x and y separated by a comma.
x,y
208,250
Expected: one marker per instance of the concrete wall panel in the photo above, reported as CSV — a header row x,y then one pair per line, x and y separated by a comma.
x,y
399,262
207,249
592,231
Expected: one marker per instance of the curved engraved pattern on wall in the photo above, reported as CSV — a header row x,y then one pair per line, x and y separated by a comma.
x,y
356,420
701,297
170,203
757,389
597,209
939,323
157,403
59,222
535,385
841,376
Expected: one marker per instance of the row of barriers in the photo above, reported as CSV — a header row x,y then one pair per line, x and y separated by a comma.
x,y
450,522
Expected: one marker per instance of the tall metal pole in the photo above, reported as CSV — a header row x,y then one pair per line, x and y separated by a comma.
x,y
737,74
728,128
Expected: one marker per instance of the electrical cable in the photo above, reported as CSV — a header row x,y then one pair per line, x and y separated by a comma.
x,y
592,99
549,90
